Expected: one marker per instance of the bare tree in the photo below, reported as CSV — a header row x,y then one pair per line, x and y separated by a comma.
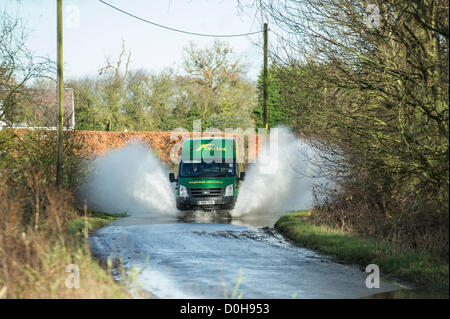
x,y
18,66
118,76
380,69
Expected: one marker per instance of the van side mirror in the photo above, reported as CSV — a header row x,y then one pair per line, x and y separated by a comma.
x,y
172,177
242,176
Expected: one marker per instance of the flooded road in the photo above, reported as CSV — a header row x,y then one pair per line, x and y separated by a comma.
x,y
218,259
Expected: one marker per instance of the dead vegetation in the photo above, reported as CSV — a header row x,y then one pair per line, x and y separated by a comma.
x,y
36,246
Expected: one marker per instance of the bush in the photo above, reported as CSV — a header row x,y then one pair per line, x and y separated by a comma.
x,y
36,243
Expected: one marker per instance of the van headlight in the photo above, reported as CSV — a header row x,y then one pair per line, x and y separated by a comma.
x,y
183,191
229,190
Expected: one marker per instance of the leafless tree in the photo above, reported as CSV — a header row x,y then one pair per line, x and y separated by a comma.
x,y
18,66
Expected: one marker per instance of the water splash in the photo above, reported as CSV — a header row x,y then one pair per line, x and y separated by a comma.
x,y
282,179
130,180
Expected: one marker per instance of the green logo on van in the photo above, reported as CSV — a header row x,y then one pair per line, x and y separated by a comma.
x,y
211,147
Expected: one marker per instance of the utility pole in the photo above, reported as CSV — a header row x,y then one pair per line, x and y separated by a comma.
x,y
265,93
60,90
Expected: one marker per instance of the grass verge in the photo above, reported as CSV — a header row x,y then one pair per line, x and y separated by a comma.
x,y
92,221
393,259
44,251
45,269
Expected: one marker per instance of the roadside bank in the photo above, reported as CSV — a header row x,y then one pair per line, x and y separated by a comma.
x,y
394,260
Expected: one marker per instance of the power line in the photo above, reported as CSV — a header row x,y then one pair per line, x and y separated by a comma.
x,y
181,31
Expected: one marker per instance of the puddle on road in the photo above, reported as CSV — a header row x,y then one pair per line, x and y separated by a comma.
x,y
259,234
198,242
202,217
213,254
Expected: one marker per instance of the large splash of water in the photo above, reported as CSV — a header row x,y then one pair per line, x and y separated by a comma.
x,y
282,179
130,180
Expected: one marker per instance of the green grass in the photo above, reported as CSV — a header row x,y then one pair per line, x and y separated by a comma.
x,y
94,221
392,258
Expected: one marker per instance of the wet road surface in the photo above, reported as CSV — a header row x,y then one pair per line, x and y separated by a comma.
x,y
217,260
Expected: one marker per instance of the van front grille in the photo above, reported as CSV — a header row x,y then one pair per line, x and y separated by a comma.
x,y
206,192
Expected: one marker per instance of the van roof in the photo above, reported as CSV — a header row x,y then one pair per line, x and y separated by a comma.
x,y
208,148
210,138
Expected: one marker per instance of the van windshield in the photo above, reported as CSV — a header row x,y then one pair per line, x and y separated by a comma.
x,y
203,169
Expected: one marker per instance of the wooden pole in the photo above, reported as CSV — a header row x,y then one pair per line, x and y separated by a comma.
x,y
265,93
60,93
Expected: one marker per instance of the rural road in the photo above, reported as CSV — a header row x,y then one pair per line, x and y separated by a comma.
x,y
200,259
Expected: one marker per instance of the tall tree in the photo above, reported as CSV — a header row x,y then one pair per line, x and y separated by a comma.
x,y
218,86
275,105
383,115
214,90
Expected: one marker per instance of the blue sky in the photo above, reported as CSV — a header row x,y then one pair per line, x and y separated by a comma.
x,y
101,29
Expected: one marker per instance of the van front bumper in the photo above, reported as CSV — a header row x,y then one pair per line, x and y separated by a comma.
x,y
205,203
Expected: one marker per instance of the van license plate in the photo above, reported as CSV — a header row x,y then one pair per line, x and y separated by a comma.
x,y
205,202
